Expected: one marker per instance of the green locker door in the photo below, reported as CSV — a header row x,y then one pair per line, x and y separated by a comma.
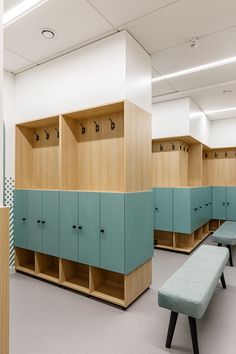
x,y
21,218
35,221
231,203
195,209
68,221
89,242
112,236
163,209
219,203
181,210
208,204
50,221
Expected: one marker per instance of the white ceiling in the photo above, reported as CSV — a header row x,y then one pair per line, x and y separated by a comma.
x,y
163,27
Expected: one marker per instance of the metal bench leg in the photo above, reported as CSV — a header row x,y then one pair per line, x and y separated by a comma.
x,y
219,244
222,278
230,256
193,330
171,329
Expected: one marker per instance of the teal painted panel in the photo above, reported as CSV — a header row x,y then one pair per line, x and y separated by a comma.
x,y
181,207
112,236
219,203
208,203
35,221
231,203
138,229
163,209
68,221
89,241
50,223
21,218
195,209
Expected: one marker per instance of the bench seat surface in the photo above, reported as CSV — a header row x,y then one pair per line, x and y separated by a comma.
x,y
190,288
226,233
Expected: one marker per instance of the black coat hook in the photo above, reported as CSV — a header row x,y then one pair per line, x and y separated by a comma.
x,y
57,132
83,128
226,154
161,147
37,136
113,125
96,126
173,146
47,134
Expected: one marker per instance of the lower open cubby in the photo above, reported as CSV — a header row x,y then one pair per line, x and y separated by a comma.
x,y
181,242
47,267
116,288
25,260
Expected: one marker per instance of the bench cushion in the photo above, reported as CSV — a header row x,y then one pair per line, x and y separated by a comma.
x,y
190,288
226,233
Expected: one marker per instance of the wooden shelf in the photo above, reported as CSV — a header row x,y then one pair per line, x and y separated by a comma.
x,y
25,261
47,267
75,275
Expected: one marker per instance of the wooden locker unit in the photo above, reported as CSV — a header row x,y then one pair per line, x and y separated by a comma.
x,y
70,171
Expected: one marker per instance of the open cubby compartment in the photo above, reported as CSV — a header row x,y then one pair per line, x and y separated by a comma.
x,y
93,149
47,267
198,234
108,285
25,260
214,224
184,242
75,275
163,239
206,228
38,155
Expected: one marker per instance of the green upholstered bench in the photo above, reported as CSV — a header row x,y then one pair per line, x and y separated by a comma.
x,y
226,235
189,290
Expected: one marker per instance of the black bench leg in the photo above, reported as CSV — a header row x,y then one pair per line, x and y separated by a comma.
x,y
230,256
219,244
222,278
171,329
193,330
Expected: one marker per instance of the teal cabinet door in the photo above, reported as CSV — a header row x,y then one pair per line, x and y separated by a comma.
x,y
68,230
50,221
163,209
231,203
181,210
138,229
219,203
35,221
89,233
21,218
195,208
208,204
112,236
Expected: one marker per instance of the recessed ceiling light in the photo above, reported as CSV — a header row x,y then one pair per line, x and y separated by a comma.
x,y
221,110
227,92
195,69
48,33
21,10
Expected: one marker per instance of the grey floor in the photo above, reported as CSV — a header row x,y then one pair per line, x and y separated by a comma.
x,y
46,319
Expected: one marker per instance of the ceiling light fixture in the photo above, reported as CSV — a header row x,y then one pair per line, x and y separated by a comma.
x,y
221,110
21,10
195,69
48,33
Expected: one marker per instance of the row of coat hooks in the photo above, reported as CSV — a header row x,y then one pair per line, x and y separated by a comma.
x,y
47,134
97,126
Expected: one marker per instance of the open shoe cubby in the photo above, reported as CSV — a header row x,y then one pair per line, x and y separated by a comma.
x,y
25,260
47,267
37,154
164,238
74,275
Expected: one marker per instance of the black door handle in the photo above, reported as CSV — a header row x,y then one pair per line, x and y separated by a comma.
x,y
200,207
80,227
206,204
38,221
74,226
156,208
43,222
195,209
223,203
227,203
23,219
102,231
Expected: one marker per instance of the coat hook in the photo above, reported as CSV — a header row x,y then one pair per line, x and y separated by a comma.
x,y
96,127
206,156
37,136
226,154
184,148
173,146
161,147
215,154
57,132
83,128
113,125
47,134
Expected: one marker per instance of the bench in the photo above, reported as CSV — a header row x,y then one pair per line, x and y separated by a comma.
x,y
226,235
189,290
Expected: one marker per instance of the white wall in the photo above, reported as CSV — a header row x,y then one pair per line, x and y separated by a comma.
x,y
200,124
223,133
105,71
170,119
9,120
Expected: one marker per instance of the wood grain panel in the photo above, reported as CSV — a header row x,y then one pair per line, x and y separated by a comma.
x,y
219,172
195,163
